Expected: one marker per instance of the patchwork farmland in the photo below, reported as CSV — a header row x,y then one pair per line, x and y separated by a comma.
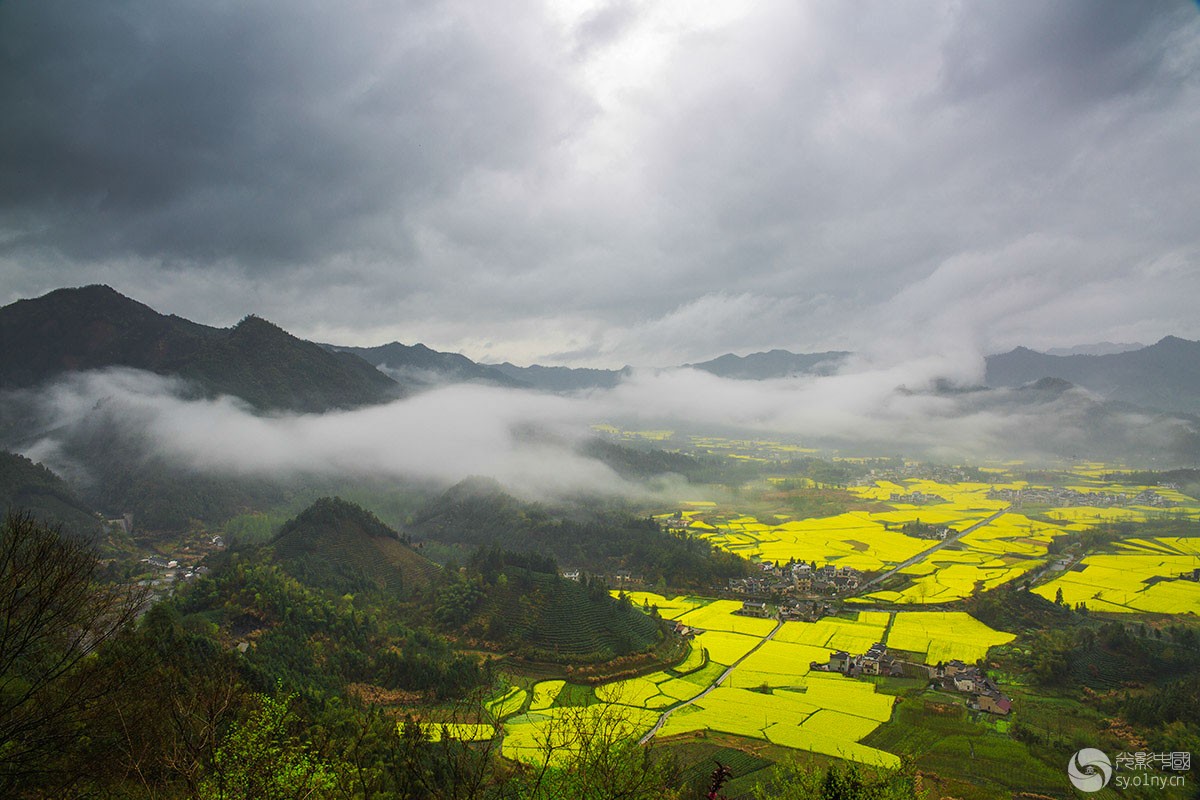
x,y
938,543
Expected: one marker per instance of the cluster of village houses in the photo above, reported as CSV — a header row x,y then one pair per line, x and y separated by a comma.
x,y
1046,496
916,498
952,676
939,473
798,610
184,568
971,680
799,577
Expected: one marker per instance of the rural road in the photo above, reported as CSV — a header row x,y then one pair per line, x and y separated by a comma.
x,y
661,720
924,553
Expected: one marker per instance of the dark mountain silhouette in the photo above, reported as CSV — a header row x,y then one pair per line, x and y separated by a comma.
x,y
1164,376
94,327
563,379
419,365
1095,349
756,366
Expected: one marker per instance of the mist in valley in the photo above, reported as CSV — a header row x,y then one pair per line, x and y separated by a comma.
x,y
531,441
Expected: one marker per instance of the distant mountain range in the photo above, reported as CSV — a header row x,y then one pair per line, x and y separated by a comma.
x,y
1097,349
418,365
564,379
95,327
772,364
1164,376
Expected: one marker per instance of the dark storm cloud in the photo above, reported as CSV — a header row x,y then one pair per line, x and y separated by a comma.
x,y
1066,55
614,181
261,132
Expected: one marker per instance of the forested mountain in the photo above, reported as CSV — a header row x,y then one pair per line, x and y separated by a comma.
x,y
94,327
33,488
499,600
341,546
478,512
1164,376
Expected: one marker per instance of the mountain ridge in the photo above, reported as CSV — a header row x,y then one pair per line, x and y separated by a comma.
x,y
422,365
1163,376
93,327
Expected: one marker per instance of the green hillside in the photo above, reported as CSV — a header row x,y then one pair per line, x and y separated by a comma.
x,y
478,512
519,602
27,486
341,546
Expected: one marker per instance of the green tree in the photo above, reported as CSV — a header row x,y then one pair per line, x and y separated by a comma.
x,y
263,758
793,780
592,753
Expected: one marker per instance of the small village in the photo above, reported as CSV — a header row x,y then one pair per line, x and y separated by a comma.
x,y
1063,497
797,578
952,676
164,572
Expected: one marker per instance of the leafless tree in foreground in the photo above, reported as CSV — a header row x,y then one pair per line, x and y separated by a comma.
x,y
53,617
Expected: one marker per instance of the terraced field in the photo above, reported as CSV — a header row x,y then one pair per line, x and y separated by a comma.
x,y
772,695
944,636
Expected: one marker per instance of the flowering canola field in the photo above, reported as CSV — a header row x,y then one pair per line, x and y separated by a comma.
x,y
1002,551
1143,576
805,709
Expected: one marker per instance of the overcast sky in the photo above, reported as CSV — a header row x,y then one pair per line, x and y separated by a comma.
x,y
600,183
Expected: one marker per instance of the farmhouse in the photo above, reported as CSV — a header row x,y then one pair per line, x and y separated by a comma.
x,y
876,661
992,703
751,608
985,695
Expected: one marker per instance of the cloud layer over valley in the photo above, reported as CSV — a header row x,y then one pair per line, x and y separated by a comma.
x,y
529,441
